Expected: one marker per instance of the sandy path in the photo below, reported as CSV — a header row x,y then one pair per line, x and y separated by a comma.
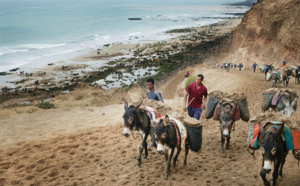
x,y
96,153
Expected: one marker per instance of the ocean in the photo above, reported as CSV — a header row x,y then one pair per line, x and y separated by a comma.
x,y
44,31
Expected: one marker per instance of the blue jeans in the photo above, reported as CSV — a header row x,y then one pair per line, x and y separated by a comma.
x,y
194,112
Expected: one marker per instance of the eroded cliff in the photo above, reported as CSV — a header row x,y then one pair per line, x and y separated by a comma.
x,y
268,33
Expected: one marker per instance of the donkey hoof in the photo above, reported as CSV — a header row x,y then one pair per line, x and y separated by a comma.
x,y
267,183
166,178
138,165
145,157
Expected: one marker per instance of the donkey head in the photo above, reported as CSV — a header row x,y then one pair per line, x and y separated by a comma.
x,y
269,145
289,106
130,118
161,134
227,117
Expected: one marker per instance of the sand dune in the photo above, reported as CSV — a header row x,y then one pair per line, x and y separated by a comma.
x,y
81,142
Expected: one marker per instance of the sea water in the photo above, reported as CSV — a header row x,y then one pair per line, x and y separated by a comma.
x,y
39,31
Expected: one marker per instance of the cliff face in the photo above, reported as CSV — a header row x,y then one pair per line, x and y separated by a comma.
x,y
268,33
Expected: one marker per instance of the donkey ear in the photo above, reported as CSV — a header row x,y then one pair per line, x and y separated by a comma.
x,y
125,105
233,109
294,103
138,105
221,105
280,130
261,129
166,120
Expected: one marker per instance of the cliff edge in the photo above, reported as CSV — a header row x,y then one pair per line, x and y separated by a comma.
x,y
268,33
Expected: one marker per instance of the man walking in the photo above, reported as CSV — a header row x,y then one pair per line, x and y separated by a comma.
x,y
195,93
254,66
152,93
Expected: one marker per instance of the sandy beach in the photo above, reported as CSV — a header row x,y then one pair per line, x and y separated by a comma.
x,y
87,62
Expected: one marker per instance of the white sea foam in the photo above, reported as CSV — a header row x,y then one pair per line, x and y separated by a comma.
x,y
41,46
8,50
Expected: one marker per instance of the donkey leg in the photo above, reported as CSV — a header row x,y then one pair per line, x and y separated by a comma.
x,y
176,156
263,176
282,163
186,153
141,152
275,173
169,162
145,145
222,140
166,155
227,144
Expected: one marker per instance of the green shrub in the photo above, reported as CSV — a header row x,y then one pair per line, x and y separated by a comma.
x,y
45,105
189,80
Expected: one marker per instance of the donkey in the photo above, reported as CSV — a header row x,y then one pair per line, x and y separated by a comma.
x,y
286,76
273,150
137,119
285,105
274,78
267,69
296,73
168,138
262,68
226,121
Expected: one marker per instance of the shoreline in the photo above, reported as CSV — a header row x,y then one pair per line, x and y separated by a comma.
x,y
120,65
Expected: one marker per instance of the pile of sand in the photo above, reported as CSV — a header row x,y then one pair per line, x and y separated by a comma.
x,y
224,95
186,120
161,107
263,118
136,93
274,90
6,112
85,95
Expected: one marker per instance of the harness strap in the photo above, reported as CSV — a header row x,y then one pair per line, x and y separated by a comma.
x,y
177,134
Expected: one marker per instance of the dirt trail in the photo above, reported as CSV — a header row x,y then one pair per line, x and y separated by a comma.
x,y
81,146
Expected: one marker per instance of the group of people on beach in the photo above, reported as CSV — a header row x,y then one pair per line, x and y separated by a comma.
x,y
194,99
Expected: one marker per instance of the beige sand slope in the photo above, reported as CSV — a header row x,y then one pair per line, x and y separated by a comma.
x,y
81,142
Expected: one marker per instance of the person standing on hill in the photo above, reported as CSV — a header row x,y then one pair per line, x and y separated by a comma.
x,y
254,66
283,64
195,93
152,93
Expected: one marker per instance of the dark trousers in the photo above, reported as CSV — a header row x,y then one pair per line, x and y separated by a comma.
x,y
194,112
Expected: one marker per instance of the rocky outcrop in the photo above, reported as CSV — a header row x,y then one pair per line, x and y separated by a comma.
x,y
268,33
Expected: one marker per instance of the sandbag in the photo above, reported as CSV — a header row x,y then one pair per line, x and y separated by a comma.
x,y
269,93
266,101
194,137
244,109
296,154
190,122
211,105
217,112
254,137
216,96
292,122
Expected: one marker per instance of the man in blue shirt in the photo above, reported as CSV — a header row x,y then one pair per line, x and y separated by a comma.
x,y
152,93
254,66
